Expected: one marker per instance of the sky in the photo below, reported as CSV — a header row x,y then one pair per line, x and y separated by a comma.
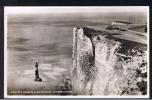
x,y
72,9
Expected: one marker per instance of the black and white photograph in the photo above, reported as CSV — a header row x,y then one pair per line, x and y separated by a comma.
x,y
76,51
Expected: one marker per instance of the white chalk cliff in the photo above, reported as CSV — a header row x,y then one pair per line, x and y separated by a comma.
x,y
105,65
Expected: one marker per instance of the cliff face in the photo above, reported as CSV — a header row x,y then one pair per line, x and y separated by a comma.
x,y
106,65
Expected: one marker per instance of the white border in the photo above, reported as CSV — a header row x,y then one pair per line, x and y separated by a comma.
x,y
46,96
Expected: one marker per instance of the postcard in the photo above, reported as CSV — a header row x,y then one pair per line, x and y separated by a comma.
x,y
76,51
